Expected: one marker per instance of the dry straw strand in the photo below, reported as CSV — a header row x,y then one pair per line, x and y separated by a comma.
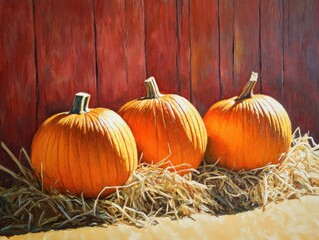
x,y
152,191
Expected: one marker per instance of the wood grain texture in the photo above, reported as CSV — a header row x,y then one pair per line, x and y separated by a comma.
x,y
135,48
201,49
17,77
246,42
271,39
226,36
204,53
65,54
301,58
161,43
120,51
183,60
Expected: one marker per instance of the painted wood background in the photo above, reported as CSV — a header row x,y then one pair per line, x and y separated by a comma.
x,y
201,49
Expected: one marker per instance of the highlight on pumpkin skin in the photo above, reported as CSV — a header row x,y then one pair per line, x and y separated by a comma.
x,y
153,191
247,131
161,120
84,150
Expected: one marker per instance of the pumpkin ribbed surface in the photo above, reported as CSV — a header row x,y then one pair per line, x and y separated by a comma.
x,y
166,126
84,152
247,133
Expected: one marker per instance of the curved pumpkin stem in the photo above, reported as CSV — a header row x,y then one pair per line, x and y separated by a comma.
x,y
247,91
80,103
151,88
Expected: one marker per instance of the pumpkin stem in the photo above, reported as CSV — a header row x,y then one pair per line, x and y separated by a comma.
x,y
151,88
247,91
80,103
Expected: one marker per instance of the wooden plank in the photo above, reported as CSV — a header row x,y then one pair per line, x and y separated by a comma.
x,y
301,58
110,45
120,51
226,35
17,78
65,54
246,42
204,53
183,60
271,32
161,43
135,48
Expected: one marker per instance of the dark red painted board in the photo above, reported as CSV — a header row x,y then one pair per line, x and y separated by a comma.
x,y
183,64
65,54
271,30
120,51
226,35
301,58
205,86
246,43
161,43
204,50
17,77
135,48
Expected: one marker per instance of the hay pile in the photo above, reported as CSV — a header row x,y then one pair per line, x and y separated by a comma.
x,y
155,192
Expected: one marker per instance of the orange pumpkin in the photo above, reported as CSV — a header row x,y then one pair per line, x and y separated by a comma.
x,y
248,131
166,126
84,150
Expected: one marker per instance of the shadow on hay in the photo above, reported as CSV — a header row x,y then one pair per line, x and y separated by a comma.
x,y
151,192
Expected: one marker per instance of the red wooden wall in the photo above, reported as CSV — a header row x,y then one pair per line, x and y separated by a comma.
x,y
201,49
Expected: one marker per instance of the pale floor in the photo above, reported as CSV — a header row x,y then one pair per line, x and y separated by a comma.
x,y
293,219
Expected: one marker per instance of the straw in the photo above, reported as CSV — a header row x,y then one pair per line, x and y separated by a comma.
x,y
152,192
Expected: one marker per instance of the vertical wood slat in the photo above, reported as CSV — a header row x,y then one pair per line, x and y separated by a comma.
x,y
17,77
183,65
120,51
161,43
279,39
226,35
135,49
205,87
65,54
272,48
110,43
246,42
301,58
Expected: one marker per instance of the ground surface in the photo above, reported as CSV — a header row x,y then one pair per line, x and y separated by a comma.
x,y
293,219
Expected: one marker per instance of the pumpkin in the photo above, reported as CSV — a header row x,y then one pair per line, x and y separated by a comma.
x,y
84,150
166,126
247,131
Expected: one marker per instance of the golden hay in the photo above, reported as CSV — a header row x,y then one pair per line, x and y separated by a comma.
x,y
155,192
